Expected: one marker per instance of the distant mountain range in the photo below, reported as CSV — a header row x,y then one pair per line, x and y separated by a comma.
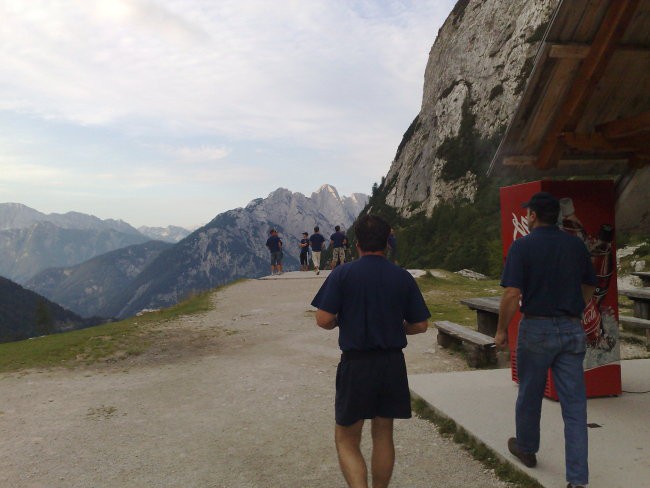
x,y
231,246
171,233
92,286
31,241
25,314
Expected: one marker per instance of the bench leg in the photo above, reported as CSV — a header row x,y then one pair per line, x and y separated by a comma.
x,y
642,310
477,356
487,323
445,340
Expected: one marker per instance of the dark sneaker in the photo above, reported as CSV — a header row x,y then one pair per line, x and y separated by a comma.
x,y
527,458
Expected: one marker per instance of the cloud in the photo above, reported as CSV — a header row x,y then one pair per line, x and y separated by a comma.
x,y
247,69
195,155
176,94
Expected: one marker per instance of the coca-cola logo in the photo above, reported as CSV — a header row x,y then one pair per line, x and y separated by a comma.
x,y
520,226
590,315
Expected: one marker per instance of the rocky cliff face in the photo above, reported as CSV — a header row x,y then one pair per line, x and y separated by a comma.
x,y
477,69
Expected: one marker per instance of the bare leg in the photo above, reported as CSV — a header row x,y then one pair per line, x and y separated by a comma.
x,y
383,452
348,446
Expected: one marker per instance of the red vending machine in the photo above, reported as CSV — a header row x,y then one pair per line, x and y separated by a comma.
x,y
587,211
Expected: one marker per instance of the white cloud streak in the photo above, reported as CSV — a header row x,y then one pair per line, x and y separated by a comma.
x,y
192,79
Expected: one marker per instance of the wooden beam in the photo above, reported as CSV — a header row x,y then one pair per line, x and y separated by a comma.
x,y
596,142
519,160
572,51
611,30
625,127
580,50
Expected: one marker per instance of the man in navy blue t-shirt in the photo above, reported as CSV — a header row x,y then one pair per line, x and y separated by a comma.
x,y
274,243
304,252
316,240
375,305
337,243
551,272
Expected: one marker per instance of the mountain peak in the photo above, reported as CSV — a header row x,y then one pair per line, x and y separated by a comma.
x,y
328,188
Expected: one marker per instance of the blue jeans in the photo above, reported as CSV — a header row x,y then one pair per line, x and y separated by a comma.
x,y
559,344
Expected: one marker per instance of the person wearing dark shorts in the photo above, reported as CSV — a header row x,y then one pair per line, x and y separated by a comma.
x,y
304,252
375,305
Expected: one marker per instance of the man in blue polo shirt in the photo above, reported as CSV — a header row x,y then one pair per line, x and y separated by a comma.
x,y
337,243
316,241
551,272
375,305
274,243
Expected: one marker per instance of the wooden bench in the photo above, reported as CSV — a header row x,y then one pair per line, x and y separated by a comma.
x,y
641,299
644,275
487,313
480,347
637,323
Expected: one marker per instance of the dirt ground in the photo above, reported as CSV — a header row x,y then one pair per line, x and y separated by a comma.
x,y
241,396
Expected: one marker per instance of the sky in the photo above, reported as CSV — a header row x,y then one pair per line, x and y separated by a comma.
x,y
162,112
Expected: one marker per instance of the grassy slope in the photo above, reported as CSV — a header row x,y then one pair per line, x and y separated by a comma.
x,y
443,296
119,339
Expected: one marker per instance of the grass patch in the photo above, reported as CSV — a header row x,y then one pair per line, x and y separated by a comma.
x,y
479,451
443,295
128,337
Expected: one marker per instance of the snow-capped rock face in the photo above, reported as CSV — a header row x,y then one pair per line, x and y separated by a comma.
x,y
477,69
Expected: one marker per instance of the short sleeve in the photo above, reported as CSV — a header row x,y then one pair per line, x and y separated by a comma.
x,y
513,271
328,297
416,309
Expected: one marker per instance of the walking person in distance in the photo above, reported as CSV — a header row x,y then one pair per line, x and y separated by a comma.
x,y
337,243
375,305
551,273
304,252
274,243
317,243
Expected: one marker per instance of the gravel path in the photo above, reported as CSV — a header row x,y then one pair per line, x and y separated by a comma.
x,y
241,396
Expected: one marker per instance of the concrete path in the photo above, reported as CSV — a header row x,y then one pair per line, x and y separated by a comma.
x,y
482,402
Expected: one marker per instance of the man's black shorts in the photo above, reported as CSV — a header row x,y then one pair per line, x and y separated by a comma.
x,y
371,384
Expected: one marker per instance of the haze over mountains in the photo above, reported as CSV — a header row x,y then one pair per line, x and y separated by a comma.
x,y
121,281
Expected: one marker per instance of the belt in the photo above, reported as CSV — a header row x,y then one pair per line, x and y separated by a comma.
x,y
350,355
551,317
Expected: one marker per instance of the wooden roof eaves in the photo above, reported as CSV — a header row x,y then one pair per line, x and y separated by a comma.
x,y
611,30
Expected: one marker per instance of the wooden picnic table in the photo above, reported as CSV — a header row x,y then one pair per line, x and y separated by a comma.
x,y
641,299
487,313
644,275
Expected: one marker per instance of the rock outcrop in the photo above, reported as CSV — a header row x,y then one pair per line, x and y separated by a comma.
x,y
477,70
